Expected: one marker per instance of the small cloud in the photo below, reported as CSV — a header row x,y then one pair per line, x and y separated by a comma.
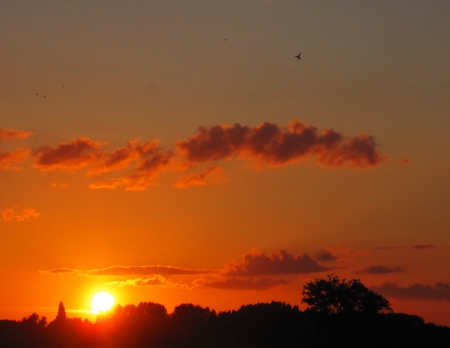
x,y
10,134
18,214
10,160
424,246
240,284
256,263
56,185
439,292
381,270
145,270
405,161
212,175
325,255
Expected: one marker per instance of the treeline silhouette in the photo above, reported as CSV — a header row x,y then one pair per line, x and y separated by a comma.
x,y
274,324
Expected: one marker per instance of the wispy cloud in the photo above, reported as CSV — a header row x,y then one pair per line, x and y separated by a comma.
x,y
256,263
150,281
11,160
415,247
271,145
11,134
61,271
19,214
211,175
240,283
145,270
381,270
439,292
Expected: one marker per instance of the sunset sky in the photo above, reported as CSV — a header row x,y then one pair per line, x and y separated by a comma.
x,y
178,152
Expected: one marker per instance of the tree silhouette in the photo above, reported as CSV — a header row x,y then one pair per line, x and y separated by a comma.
x,y
332,296
61,312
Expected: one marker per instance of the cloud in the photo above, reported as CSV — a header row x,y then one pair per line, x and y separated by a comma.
x,y
18,214
9,160
145,270
210,175
325,255
270,145
10,134
121,158
423,247
139,282
256,263
61,271
146,174
439,292
415,247
240,284
74,155
381,270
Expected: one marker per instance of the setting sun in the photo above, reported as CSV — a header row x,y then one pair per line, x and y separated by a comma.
x,y
102,301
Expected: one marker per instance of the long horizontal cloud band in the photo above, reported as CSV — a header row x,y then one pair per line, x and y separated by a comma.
x,y
145,270
266,145
439,292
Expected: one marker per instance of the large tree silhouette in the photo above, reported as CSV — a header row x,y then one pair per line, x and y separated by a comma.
x,y
332,296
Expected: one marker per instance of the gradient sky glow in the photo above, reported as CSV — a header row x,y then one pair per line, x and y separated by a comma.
x,y
183,154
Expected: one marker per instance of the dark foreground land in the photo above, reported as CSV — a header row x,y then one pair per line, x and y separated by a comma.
x,y
262,325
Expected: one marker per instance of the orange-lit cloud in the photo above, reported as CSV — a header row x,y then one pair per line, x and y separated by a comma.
x,y
10,134
240,283
145,270
211,175
381,270
156,280
439,292
424,246
10,160
270,145
256,263
18,214
144,176
78,153
120,158
404,161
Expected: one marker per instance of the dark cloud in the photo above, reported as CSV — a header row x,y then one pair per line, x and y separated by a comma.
x,y
211,175
240,284
439,292
325,255
381,270
76,154
256,263
10,134
145,270
270,145
416,247
10,160
422,247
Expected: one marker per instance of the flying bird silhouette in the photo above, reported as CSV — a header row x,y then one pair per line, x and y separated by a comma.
x,y
298,55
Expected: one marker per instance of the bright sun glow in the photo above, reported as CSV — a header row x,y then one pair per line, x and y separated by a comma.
x,y
102,301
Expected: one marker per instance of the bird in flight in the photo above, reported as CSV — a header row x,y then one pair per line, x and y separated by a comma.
x,y
298,55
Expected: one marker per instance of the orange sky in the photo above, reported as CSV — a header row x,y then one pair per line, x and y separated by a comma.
x,y
183,154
